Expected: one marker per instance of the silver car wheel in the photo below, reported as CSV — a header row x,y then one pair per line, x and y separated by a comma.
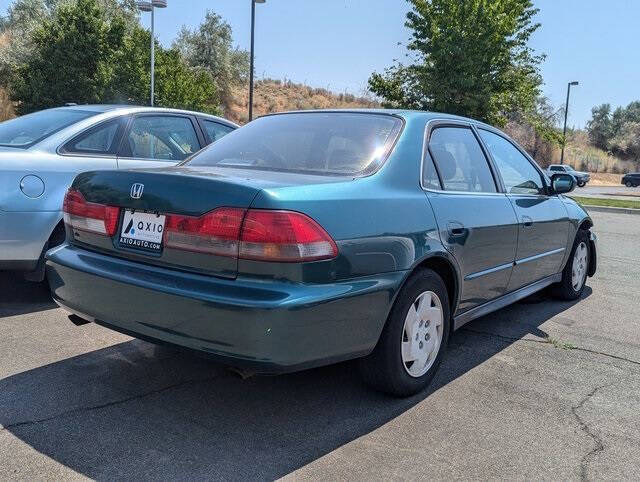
x,y
422,334
579,267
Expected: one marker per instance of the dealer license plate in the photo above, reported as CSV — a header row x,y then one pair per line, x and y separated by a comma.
x,y
142,230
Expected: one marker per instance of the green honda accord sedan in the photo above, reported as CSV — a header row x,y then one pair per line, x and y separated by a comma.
x,y
308,238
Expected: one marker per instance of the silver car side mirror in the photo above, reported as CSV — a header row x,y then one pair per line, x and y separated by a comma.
x,y
562,183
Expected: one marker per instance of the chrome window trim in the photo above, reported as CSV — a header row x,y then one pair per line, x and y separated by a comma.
x,y
443,121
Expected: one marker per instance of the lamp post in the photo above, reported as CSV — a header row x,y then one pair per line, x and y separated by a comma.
x,y
150,7
253,30
566,113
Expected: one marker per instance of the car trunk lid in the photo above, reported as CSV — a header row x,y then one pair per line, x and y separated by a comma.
x,y
154,206
147,201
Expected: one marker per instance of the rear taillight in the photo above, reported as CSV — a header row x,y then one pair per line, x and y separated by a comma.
x,y
284,236
91,217
216,232
280,236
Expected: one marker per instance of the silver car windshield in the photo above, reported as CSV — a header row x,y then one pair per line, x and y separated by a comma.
x,y
331,143
23,132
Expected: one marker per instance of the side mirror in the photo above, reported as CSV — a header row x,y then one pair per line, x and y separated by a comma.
x,y
562,183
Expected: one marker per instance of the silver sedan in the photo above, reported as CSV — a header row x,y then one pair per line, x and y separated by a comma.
x,y
41,153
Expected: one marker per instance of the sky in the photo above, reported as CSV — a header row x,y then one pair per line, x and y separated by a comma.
x,y
337,44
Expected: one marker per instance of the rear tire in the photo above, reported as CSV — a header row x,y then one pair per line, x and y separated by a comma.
x,y
581,184
414,339
629,184
574,274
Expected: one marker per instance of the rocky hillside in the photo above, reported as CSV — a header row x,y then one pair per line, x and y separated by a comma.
x,y
277,96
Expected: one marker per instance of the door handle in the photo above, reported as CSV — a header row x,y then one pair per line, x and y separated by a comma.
x,y
456,229
527,221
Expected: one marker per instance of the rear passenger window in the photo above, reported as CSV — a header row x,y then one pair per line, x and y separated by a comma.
x,y
100,140
460,161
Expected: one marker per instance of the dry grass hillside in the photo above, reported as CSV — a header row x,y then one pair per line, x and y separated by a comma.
x,y
583,156
6,107
277,96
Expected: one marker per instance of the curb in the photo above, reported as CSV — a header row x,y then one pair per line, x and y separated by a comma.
x,y
608,209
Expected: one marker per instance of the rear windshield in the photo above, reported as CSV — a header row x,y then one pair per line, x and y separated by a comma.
x,y
23,132
320,143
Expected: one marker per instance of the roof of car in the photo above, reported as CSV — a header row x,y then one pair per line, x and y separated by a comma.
x,y
132,109
406,113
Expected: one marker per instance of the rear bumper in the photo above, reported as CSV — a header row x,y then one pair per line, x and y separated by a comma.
x,y
266,326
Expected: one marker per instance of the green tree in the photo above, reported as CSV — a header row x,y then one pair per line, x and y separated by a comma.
x,y
72,58
88,54
181,86
131,76
617,120
177,84
600,128
627,141
210,47
471,57
25,17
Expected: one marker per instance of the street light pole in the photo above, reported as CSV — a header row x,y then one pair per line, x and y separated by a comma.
x,y
153,54
566,113
253,30
147,6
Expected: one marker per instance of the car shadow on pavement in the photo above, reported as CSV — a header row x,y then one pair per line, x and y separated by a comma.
x,y
19,297
134,410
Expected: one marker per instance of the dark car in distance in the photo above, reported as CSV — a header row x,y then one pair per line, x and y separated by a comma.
x,y
308,238
631,180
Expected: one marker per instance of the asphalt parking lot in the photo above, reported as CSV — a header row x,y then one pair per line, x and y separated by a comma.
x,y
608,192
539,390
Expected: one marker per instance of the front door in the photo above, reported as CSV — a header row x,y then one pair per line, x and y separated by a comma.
x,y
543,219
477,223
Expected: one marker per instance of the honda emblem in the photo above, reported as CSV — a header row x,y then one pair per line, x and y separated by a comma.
x,y
136,190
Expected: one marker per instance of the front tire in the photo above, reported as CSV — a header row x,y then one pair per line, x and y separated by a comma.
x,y
581,184
628,184
414,339
574,274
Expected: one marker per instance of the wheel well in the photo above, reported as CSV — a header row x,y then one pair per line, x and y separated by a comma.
x,y
446,271
57,235
586,225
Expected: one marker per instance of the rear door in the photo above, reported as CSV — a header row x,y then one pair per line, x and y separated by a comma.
x,y
543,219
154,140
476,221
